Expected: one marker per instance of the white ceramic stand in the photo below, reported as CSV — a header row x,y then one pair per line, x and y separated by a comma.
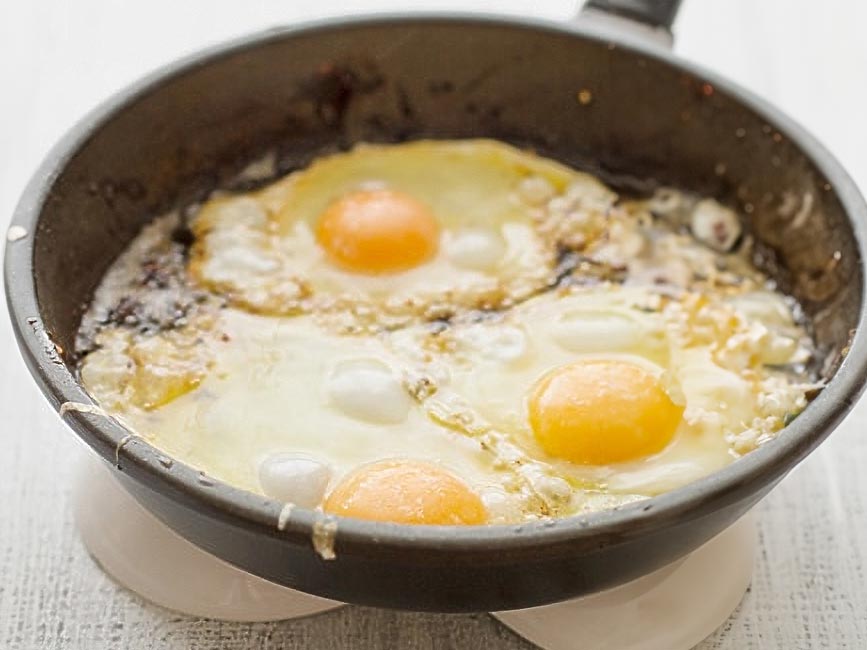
x,y
671,609
147,557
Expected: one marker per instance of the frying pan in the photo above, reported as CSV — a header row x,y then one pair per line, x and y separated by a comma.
x,y
616,104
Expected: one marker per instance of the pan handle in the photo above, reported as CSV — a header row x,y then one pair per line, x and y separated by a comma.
x,y
651,19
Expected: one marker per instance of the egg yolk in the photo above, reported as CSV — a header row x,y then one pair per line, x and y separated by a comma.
x,y
377,231
406,492
601,412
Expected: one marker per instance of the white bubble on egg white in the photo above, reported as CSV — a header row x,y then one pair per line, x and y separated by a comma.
x,y
585,332
294,479
478,249
368,390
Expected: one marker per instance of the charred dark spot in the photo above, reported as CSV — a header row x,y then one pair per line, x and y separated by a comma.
x,y
403,104
440,87
403,134
333,87
377,123
183,236
110,190
813,393
107,192
586,271
440,313
720,232
484,315
567,262
131,188
126,312
154,275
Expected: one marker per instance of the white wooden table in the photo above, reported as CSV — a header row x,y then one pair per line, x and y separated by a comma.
x,y
57,59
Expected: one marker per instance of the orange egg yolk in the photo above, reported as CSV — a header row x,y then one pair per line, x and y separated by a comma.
x,y
406,492
601,412
377,231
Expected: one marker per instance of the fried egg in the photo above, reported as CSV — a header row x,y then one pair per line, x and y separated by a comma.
x,y
612,388
399,226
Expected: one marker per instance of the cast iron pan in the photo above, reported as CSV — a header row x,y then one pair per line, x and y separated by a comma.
x,y
300,90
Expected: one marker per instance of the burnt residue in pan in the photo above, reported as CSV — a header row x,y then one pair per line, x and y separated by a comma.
x,y
334,86
148,289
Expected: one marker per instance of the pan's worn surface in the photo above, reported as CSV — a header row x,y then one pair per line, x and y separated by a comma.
x,y
299,91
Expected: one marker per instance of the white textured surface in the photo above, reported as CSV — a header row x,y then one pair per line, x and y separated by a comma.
x,y
58,59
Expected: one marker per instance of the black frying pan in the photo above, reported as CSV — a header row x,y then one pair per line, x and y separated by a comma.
x,y
300,90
